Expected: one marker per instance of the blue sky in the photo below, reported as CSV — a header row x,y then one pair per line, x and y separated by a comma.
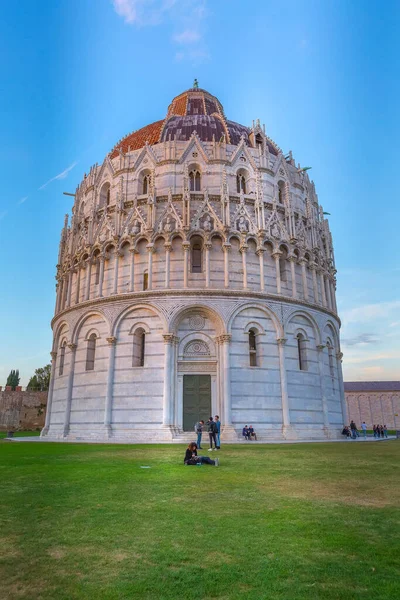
x,y
77,75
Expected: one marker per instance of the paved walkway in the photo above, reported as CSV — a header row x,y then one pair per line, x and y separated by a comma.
x,y
239,442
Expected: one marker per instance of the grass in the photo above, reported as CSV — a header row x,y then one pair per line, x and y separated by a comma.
x,y
287,522
3,434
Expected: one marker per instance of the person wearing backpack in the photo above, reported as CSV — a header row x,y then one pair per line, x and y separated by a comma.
x,y
198,428
218,424
212,433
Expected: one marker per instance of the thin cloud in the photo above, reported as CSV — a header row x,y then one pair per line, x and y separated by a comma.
x,y
356,360
24,199
142,12
189,36
361,339
61,175
3,214
369,312
126,9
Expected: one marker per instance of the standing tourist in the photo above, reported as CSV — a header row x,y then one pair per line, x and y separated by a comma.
x,y
218,424
353,428
212,433
385,431
374,430
198,428
364,429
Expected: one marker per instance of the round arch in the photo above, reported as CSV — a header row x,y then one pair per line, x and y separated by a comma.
x,y
307,316
83,318
270,313
125,311
209,311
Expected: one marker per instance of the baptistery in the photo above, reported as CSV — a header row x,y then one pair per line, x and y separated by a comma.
x,y
195,277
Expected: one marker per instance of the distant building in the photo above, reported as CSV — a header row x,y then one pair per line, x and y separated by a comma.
x,y
375,402
196,278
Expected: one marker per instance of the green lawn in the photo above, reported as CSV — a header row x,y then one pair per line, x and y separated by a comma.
x,y
20,434
288,522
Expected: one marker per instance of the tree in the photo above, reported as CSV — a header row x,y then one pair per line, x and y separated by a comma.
x,y
40,381
13,379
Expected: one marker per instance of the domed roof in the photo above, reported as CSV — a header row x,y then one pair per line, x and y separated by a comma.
x,y
194,110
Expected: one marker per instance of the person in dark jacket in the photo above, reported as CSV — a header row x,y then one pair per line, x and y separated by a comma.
x,y
191,457
212,433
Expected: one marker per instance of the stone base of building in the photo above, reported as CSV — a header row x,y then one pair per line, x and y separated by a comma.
x,y
170,434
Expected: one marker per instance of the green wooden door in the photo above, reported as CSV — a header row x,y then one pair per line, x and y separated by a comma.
x,y
196,400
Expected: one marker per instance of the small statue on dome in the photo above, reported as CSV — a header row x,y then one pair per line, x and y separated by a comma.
x,y
195,84
207,224
135,227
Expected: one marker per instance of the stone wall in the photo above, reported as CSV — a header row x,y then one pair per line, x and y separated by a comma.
x,y
22,410
379,408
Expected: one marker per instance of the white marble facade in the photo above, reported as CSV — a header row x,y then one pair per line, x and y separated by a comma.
x,y
196,248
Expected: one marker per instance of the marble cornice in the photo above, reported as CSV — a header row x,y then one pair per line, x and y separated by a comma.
x,y
148,295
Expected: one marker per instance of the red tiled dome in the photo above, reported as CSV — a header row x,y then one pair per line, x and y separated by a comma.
x,y
193,110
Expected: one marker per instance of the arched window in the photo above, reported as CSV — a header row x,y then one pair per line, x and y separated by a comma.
x,y
195,180
90,352
105,195
145,280
146,184
62,358
331,365
252,348
282,268
240,183
97,273
139,344
259,140
196,258
301,351
281,192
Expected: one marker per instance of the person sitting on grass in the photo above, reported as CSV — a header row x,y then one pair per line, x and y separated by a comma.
x,y
252,433
245,433
191,457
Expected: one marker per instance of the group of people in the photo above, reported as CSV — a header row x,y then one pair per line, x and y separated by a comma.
x,y
249,433
379,431
213,426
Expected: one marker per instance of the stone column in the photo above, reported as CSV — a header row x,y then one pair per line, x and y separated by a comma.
x,y
287,429
112,343
88,278
226,248
168,341
58,295
132,270
45,429
260,253
304,278
78,284
65,291
314,280
207,247
168,248
325,413
225,340
328,292
116,266
150,250
276,255
243,250
339,357
292,260
322,282
70,386
186,248
69,288
101,276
